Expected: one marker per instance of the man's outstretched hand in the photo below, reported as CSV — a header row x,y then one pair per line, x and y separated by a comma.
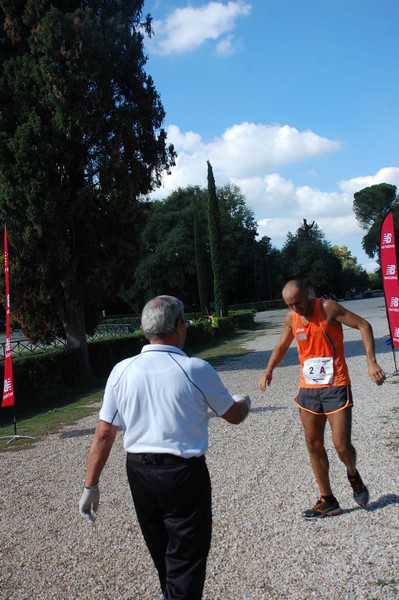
x,y
265,380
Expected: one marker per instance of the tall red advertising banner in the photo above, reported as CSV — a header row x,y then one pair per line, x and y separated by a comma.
x,y
8,388
389,271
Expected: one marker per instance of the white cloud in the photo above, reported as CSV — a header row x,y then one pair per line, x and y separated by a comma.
x,y
227,46
339,230
244,151
249,156
186,142
277,229
318,203
268,194
185,29
250,148
246,154
332,211
385,175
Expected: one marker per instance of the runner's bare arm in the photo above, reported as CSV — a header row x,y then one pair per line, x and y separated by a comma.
x,y
278,353
337,312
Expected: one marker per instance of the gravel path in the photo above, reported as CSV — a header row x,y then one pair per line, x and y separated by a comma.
x,y
261,547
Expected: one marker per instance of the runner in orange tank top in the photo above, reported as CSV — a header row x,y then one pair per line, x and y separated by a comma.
x,y
318,338
324,387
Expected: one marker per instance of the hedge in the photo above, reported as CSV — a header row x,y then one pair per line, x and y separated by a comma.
x,y
42,380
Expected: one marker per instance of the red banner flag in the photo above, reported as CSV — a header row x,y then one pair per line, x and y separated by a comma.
x,y
389,270
8,388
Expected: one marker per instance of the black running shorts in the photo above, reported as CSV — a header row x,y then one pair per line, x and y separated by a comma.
x,y
325,400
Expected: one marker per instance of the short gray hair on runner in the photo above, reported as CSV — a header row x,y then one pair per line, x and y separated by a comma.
x,y
160,316
294,284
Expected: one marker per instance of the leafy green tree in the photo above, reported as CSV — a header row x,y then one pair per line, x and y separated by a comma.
x,y
175,249
344,255
375,280
370,206
353,274
167,261
251,265
216,247
238,238
267,271
308,256
81,140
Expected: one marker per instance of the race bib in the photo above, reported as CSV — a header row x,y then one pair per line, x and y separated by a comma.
x,y
318,371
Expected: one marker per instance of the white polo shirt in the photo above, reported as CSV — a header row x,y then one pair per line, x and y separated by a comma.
x,y
160,399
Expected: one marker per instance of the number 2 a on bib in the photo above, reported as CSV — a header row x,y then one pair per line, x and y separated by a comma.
x,y
318,371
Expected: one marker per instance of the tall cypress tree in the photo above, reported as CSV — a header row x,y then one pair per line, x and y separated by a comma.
x,y
80,143
216,246
200,266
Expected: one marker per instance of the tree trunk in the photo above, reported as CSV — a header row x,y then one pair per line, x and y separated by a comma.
x,y
75,331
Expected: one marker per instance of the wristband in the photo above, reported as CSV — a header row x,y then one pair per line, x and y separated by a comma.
x,y
91,487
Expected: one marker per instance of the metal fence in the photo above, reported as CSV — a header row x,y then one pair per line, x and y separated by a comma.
x,y
20,345
114,330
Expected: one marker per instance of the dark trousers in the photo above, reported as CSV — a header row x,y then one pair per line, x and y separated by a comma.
x,y
173,506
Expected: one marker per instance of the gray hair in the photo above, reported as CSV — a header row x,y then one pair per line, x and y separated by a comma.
x,y
294,284
161,315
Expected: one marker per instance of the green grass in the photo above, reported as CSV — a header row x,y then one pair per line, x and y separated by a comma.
x,y
50,421
82,403
228,348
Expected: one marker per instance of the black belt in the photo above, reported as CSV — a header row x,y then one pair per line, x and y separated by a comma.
x,y
159,459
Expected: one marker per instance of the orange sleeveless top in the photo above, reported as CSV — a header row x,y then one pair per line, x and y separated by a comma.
x,y
321,350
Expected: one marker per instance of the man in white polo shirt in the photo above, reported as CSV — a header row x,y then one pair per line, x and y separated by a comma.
x,y
161,400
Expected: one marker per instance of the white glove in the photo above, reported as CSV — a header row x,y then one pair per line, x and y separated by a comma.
x,y
89,502
244,397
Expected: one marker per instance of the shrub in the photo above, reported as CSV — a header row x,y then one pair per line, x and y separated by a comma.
x,y
104,354
44,380
38,378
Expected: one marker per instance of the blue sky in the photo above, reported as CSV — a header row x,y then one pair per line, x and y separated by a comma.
x,y
294,101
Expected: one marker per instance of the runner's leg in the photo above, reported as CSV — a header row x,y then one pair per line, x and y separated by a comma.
x,y
314,426
341,428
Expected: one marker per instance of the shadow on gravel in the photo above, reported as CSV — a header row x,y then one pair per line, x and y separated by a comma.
x,y
257,360
76,433
261,409
356,348
382,502
90,431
